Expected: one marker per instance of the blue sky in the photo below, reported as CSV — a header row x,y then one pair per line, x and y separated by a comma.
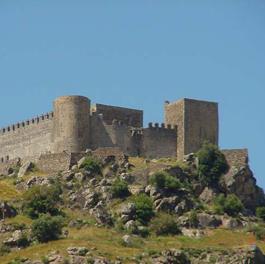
x,y
139,53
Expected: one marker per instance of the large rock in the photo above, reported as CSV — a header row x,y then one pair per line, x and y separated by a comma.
x,y
206,220
25,168
172,256
239,180
208,194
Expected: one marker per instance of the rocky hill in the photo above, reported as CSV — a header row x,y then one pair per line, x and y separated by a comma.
x,y
206,209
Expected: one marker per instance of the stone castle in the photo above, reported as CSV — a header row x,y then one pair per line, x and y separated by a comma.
x,y
74,126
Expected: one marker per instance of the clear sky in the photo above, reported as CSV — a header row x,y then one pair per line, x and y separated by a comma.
x,y
139,53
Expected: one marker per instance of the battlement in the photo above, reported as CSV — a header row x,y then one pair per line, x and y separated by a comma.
x,y
28,122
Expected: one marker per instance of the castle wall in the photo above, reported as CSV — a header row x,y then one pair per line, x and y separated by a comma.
x,y
115,135
158,142
236,157
26,139
130,117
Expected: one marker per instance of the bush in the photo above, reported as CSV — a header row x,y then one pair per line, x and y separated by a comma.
x,y
164,224
193,219
91,164
211,163
163,180
230,204
144,208
260,212
4,249
41,200
119,189
47,228
258,231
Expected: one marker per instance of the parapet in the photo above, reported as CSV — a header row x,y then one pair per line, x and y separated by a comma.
x,y
32,121
161,126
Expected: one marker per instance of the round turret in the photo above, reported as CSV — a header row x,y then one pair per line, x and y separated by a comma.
x,y
71,128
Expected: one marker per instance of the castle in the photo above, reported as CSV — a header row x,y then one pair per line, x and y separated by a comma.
x,y
74,126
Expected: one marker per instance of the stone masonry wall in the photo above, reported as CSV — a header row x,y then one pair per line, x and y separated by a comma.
x,y
197,121
29,138
130,117
236,157
201,124
158,142
114,135
174,115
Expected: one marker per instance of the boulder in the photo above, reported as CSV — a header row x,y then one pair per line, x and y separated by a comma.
x,y
80,162
67,175
183,206
207,220
101,214
167,204
231,223
208,194
77,251
127,177
36,180
127,240
15,239
91,200
172,256
25,168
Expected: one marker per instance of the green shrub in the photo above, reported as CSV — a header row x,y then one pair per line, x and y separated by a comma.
x,y
193,219
163,180
260,212
47,228
230,204
144,208
45,260
91,164
41,200
23,241
211,163
164,224
17,260
119,189
4,249
258,231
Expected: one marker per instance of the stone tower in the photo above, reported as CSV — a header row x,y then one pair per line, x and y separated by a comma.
x,y
71,125
197,121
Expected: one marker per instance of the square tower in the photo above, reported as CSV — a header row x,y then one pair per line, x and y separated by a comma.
x,y
197,121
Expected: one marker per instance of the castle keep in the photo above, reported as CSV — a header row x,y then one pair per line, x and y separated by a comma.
x,y
74,126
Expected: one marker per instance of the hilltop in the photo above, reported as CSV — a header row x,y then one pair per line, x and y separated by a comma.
x,y
134,210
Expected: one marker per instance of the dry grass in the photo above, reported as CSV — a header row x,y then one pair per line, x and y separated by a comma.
x,y
8,191
108,243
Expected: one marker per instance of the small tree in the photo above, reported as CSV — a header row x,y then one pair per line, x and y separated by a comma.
x,y
144,208
119,189
230,204
47,228
91,164
164,224
211,163
163,180
260,212
41,200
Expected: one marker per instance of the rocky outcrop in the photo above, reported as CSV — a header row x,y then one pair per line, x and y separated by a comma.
x,y
239,180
